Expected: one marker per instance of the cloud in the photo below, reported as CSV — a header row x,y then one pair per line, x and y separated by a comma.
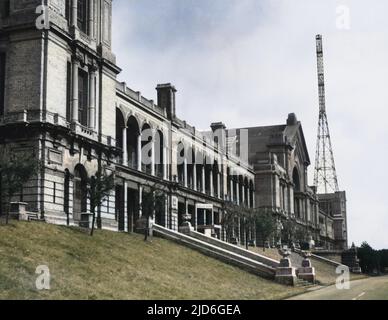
x,y
248,62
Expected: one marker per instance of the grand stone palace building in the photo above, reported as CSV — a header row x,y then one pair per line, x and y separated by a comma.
x,y
60,100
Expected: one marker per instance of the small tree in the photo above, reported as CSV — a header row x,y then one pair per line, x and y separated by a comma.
x,y
289,230
249,218
266,224
231,212
152,201
100,186
15,170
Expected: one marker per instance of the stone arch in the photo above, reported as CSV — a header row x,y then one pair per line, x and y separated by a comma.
x,y
133,133
296,179
147,136
120,125
159,152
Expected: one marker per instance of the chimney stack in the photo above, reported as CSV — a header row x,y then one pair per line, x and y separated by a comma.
x,y
166,99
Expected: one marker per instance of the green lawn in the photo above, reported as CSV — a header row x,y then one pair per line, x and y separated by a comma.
x,y
111,265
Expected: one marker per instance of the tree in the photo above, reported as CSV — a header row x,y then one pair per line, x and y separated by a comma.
x,y
153,200
15,170
100,186
369,260
289,230
266,224
228,221
249,218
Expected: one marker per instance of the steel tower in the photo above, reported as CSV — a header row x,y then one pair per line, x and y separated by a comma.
x,y
325,176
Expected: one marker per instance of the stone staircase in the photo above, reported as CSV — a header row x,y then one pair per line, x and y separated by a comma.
x,y
220,250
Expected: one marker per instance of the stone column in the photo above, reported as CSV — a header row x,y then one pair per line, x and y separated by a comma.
x,y
195,176
243,194
153,155
238,192
231,190
125,206
211,183
140,200
125,147
91,19
92,99
74,117
139,151
203,179
185,172
249,197
74,9
164,163
219,186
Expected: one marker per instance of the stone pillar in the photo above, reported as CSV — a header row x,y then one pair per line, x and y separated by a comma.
x,y
243,194
249,197
153,156
286,273
140,200
165,163
195,176
203,179
74,117
231,190
125,147
74,9
92,99
91,21
220,193
211,183
238,193
185,172
139,151
125,206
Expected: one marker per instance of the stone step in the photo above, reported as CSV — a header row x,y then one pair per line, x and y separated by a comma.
x,y
303,283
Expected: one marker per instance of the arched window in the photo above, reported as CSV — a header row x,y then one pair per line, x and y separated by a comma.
x,y
296,179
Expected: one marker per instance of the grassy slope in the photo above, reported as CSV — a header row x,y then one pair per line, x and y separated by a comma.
x,y
117,266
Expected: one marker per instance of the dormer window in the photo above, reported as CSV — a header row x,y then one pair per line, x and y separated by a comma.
x,y
82,15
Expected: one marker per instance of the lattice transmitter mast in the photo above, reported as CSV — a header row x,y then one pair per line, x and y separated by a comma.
x,y
325,176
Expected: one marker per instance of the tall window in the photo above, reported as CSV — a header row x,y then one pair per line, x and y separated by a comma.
x,y
68,10
83,97
2,82
82,15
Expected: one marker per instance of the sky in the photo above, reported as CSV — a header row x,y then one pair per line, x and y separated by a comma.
x,y
252,62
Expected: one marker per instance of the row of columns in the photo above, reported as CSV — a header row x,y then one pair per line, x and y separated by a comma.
x,y
245,193
139,154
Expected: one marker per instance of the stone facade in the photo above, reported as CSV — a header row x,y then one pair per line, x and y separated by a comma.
x,y
61,102
280,159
